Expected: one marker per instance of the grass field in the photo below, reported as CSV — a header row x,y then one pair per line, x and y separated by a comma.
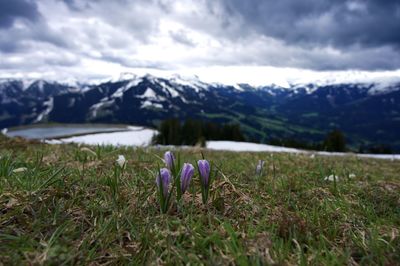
x,y
63,205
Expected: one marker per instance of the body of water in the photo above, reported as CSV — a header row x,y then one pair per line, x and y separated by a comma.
x,y
59,131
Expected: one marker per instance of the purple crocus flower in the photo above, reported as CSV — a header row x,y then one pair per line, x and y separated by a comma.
x,y
186,176
169,160
204,169
164,177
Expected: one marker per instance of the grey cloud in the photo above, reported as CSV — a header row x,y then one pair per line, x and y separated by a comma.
x,y
316,34
321,22
182,37
135,63
77,5
139,18
10,10
24,38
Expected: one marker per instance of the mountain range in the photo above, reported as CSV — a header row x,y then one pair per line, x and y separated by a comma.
x,y
367,113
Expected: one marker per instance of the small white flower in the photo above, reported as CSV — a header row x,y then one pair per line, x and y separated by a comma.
x,y
352,175
312,156
259,167
331,178
4,131
20,170
121,161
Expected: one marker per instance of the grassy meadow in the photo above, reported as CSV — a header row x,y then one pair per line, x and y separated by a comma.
x,y
65,205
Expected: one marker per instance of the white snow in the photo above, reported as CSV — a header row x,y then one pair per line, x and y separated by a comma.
x,y
117,94
120,91
103,102
191,81
26,83
247,146
71,102
255,147
49,104
149,93
86,89
125,76
74,90
237,87
134,128
169,89
151,104
383,87
309,88
40,85
136,136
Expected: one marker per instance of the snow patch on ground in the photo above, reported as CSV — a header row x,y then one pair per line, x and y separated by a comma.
x,y
247,146
136,136
255,147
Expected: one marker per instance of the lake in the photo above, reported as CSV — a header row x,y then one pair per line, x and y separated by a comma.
x,y
48,132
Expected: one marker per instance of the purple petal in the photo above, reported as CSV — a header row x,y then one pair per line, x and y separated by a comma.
x,y
165,177
204,169
186,176
169,159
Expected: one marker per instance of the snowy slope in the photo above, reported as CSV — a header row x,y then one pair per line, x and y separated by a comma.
x,y
255,147
305,111
136,136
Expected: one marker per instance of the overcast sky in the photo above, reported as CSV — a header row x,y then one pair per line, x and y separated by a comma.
x,y
99,38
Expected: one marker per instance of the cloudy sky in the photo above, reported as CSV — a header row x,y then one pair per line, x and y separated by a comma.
x,y
94,39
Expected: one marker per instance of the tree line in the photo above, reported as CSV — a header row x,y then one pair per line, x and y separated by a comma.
x,y
195,132
335,141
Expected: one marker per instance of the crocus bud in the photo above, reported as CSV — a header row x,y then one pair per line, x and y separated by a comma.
x,y
86,149
186,176
204,169
20,170
259,167
121,161
169,160
164,177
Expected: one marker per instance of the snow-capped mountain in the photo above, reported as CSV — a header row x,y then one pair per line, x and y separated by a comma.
x,y
366,112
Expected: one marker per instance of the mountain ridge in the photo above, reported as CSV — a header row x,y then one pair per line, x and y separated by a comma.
x,y
367,113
